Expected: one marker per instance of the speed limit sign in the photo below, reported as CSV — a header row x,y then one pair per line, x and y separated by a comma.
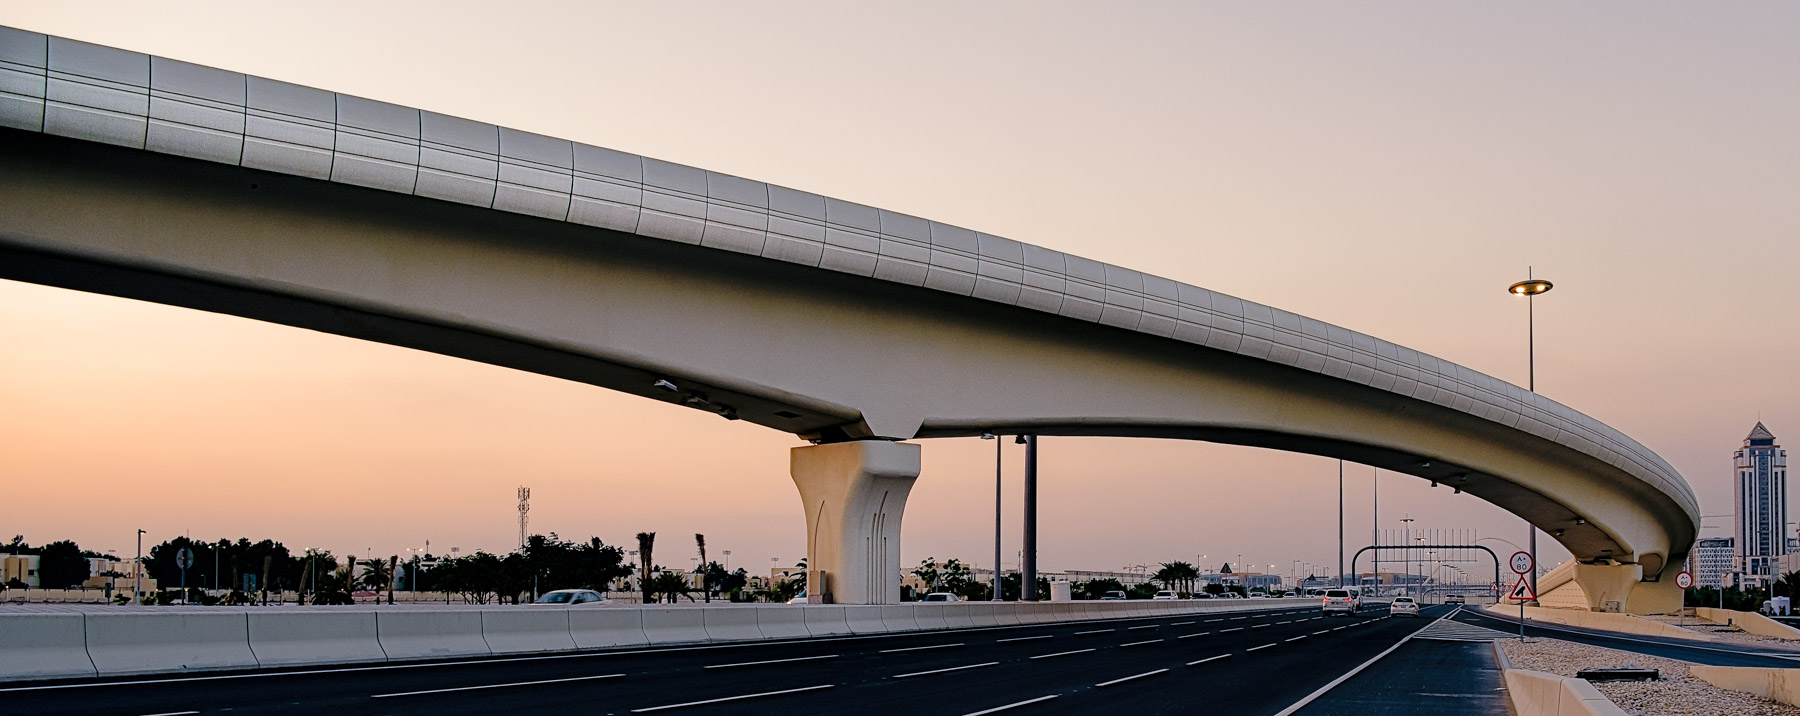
x,y
1684,580
1521,562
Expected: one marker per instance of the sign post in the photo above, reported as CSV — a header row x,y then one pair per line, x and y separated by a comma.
x,y
1684,580
184,559
1522,564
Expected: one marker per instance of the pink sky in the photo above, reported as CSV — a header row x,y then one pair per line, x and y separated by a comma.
x,y
1389,168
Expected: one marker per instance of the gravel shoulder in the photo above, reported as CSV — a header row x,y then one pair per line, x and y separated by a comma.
x,y
1676,693
1729,634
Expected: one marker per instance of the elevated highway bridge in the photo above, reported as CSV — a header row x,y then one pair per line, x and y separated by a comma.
x,y
856,328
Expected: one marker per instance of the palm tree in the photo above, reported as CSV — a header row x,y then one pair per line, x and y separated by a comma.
x,y
672,586
646,542
375,576
706,589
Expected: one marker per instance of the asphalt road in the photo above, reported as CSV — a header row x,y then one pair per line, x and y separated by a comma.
x,y
1422,677
1710,653
1246,663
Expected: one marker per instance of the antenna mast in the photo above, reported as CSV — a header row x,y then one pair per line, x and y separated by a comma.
x,y
524,509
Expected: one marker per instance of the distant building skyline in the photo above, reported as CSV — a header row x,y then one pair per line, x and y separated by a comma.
x,y
1711,559
1760,489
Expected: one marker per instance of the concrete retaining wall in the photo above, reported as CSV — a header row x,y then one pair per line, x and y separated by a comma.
x,y
139,640
44,646
283,638
1598,621
1538,693
1748,621
1781,685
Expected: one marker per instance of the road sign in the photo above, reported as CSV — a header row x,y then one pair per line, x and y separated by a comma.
x,y
184,558
1520,562
1684,580
1521,591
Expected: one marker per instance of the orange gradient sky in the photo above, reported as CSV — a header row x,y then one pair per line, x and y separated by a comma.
x,y
1390,167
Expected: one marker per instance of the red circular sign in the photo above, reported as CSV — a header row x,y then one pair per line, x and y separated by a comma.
x,y
1520,562
1684,580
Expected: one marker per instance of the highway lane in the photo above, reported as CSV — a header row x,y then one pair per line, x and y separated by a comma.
x,y
1710,653
1258,662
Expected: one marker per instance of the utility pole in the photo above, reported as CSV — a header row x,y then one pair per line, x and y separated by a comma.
x,y
1028,568
137,574
524,507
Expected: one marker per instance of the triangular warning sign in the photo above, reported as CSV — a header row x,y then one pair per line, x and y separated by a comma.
x,y
1521,591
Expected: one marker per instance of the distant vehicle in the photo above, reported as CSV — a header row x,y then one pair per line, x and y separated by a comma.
x,y
1231,595
1315,592
1113,595
798,598
1454,599
1166,595
1342,601
1200,595
941,597
571,597
1404,607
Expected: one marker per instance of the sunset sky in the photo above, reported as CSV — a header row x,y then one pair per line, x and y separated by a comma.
x,y
1389,167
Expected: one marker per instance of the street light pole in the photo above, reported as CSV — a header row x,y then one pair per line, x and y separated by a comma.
x,y
1530,288
137,572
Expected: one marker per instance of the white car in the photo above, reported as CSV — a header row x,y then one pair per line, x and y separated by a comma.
x,y
1404,607
1341,601
570,597
1166,595
1200,595
941,597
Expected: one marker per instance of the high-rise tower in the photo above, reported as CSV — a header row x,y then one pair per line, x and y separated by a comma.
x,y
1761,492
524,507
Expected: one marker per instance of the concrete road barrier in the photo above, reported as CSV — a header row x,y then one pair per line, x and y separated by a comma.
x,y
825,620
1598,621
527,629
1751,622
733,623
607,627
931,616
1781,685
957,616
780,621
288,638
1537,693
430,633
983,614
864,619
44,646
171,641
899,618
675,625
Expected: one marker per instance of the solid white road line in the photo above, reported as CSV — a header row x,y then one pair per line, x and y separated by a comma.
x,y
1022,638
1207,659
918,648
732,698
1297,705
1140,643
1094,631
495,686
771,661
1190,636
1062,653
1129,678
1254,648
1146,626
941,671
998,709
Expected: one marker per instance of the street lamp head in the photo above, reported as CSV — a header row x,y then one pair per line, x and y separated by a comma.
x,y
1530,287
985,435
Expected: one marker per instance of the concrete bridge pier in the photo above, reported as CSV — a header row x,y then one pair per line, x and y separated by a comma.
x,y
854,494
1624,583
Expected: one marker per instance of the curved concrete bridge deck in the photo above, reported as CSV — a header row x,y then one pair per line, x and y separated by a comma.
x,y
845,324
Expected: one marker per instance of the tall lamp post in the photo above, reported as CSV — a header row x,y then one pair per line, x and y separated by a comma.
x,y
1530,288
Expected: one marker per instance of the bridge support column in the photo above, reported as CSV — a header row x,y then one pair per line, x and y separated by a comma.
x,y
1623,583
854,494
